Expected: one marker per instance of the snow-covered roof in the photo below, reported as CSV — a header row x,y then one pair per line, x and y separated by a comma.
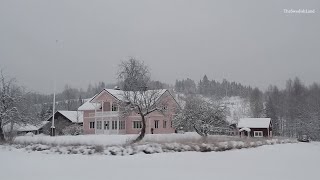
x,y
29,127
254,123
74,116
89,105
116,93
119,94
25,127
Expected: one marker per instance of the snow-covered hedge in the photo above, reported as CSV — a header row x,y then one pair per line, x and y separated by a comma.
x,y
107,140
150,148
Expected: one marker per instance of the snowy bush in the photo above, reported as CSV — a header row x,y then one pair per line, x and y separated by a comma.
x,y
98,149
150,148
73,129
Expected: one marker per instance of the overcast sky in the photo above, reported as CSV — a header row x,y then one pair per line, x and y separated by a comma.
x,y
82,41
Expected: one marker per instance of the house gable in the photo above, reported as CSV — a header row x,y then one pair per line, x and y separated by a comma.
x,y
169,101
104,95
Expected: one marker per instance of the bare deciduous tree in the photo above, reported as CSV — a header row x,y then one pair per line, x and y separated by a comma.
x,y
203,116
135,77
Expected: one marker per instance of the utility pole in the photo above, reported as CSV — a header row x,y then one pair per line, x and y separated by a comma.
x,y
53,130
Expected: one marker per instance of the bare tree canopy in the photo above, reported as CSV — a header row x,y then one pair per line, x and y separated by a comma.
x,y
134,75
201,115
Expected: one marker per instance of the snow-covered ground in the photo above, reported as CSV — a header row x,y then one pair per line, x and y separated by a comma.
x,y
286,162
116,139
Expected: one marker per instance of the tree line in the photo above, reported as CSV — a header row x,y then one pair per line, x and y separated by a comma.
x,y
294,110
212,88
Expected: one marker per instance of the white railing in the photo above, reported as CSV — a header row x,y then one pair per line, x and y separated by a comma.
x,y
107,113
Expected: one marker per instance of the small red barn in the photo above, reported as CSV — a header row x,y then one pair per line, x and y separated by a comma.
x,y
255,127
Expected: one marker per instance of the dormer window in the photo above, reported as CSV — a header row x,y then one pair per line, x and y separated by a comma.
x,y
114,107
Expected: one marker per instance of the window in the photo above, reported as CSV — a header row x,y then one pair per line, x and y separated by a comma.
x,y
99,124
91,125
122,125
106,124
114,107
164,124
137,124
258,134
114,124
156,124
171,123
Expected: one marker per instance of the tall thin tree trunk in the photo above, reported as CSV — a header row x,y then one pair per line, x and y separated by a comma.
x,y
204,138
143,129
2,139
142,132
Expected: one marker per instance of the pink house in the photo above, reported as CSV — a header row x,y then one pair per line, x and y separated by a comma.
x,y
101,115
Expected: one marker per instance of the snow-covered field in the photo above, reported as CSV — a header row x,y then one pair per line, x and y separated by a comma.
x,y
284,162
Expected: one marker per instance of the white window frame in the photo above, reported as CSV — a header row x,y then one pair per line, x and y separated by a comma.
x,y
106,125
98,122
256,133
137,123
122,125
156,124
114,125
114,107
164,124
91,125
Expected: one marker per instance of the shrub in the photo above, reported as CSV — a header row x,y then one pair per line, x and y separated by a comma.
x,y
73,129
98,149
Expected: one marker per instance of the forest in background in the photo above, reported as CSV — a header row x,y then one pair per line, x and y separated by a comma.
x,y
293,110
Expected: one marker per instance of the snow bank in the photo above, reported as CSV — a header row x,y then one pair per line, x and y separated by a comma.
x,y
149,148
105,140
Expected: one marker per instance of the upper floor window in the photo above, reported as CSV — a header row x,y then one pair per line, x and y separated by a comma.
x,y
114,107
164,124
156,124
